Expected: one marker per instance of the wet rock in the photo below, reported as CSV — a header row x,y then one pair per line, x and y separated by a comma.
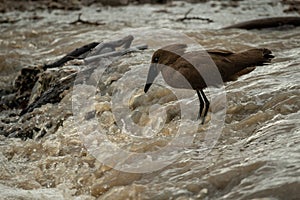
x,y
140,105
29,185
114,2
252,120
170,130
137,115
23,85
173,111
154,1
112,179
33,6
293,6
144,119
44,120
230,178
203,193
51,148
194,188
252,107
149,145
40,193
98,189
125,192
107,119
9,101
113,130
102,107
47,80
68,5
275,100
197,1
159,95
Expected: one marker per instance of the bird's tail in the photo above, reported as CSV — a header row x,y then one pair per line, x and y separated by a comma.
x,y
246,61
254,57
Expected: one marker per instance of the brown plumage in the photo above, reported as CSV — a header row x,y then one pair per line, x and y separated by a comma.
x,y
194,70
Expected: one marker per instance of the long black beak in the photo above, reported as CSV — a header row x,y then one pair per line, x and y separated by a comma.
x,y
152,74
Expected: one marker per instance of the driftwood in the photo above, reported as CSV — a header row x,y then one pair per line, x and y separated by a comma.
x,y
193,18
267,23
114,53
108,49
52,95
72,55
111,46
81,21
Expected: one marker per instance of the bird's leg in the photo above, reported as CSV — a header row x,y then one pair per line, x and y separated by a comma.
x,y
206,105
201,104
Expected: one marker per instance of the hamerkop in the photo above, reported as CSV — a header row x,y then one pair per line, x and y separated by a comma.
x,y
194,70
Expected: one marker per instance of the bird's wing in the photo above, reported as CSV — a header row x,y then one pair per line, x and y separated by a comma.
x,y
199,68
221,52
224,64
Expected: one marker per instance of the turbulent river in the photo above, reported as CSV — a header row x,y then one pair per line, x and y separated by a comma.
x,y
248,147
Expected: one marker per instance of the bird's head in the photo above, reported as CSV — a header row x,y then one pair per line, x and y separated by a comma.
x,y
165,56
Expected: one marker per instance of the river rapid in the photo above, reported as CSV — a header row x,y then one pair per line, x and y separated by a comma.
x,y
251,152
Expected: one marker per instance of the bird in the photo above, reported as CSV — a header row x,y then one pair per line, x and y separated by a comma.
x,y
194,69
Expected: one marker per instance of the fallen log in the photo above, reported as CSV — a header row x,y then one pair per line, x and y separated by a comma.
x,y
193,18
114,53
271,22
72,55
52,94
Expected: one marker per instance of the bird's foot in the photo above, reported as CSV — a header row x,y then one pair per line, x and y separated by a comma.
x,y
203,120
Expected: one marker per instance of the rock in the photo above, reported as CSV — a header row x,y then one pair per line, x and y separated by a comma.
x,y
112,179
107,119
29,184
102,107
154,1
114,2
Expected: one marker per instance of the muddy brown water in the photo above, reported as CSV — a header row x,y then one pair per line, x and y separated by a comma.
x,y
256,155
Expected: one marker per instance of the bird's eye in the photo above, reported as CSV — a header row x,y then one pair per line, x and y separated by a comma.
x,y
155,60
